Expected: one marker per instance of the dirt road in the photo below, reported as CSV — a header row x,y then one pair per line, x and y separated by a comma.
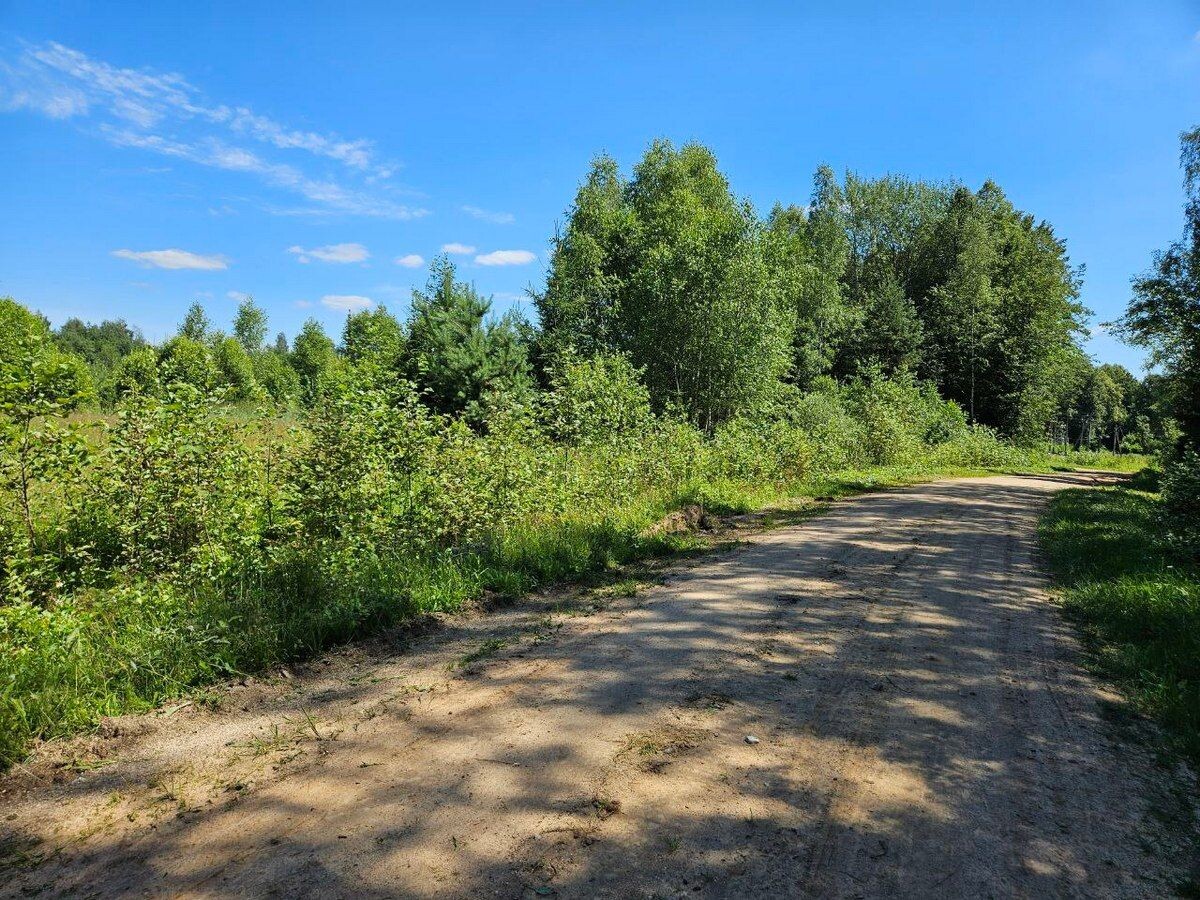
x,y
879,702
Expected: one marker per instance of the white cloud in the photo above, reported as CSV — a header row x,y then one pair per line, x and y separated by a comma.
x,y
411,261
496,218
356,154
505,258
332,253
172,259
457,248
346,302
214,153
303,304
162,113
237,296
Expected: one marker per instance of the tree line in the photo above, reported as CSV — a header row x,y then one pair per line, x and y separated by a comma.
x,y
724,308
721,310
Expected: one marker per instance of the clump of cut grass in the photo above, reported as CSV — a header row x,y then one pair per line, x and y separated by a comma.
x,y
485,650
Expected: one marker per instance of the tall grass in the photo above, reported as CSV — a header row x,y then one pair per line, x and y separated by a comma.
x,y
1136,599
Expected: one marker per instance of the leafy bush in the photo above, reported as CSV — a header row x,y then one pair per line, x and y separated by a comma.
x,y
978,447
900,417
1181,500
823,415
235,369
762,452
137,373
594,398
277,379
188,361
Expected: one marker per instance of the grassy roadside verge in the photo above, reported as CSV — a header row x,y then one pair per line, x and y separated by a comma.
x,y
1136,602
130,652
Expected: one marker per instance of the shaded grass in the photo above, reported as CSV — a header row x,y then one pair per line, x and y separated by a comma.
x,y
1137,603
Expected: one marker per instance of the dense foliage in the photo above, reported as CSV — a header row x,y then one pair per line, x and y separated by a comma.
x,y
957,287
1164,317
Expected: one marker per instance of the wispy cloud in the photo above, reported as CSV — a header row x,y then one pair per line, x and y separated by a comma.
x,y
237,296
411,261
458,248
331,253
163,113
172,259
358,154
346,302
506,258
496,218
303,304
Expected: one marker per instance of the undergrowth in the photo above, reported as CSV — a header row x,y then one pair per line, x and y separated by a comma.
x,y
171,545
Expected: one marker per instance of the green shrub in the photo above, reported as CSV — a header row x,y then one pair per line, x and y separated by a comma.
x,y
1181,501
823,415
594,398
762,452
977,447
235,371
188,361
278,379
136,373
177,542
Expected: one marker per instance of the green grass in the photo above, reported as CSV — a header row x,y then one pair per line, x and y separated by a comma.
x,y
1136,601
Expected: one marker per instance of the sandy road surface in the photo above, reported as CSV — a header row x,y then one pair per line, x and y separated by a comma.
x,y
923,727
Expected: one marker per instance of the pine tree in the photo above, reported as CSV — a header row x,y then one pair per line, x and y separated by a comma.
x,y
461,361
890,336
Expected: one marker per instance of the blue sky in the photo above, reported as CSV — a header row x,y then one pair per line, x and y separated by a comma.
x,y
297,154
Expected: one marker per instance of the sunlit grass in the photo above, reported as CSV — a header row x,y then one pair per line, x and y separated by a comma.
x,y
1136,601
